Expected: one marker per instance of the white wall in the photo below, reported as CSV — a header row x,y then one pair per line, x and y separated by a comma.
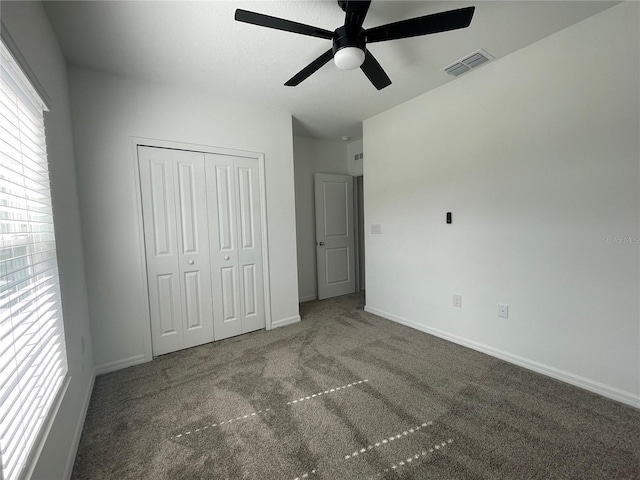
x,y
537,156
311,156
29,27
107,111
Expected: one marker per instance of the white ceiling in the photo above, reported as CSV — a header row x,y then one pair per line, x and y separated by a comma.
x,y
198,45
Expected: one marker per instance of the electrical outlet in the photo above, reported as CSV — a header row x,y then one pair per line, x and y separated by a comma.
x,y
503,310
82,346
457,300
376,228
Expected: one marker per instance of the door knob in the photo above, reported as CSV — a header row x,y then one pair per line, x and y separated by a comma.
x,y
321,243
191,262
226,257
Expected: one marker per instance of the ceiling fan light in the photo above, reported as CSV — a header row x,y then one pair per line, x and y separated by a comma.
x,y
348,58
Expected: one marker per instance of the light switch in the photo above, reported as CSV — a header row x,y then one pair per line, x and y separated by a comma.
x,y
376,228
457,300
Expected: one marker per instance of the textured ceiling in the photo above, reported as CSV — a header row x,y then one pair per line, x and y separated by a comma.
x,y
199,46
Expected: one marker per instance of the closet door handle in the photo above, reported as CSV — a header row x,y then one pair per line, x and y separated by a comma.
x,y
226,257
190,262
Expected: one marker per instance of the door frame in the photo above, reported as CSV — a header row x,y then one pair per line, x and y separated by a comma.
x,y
173,145
356,215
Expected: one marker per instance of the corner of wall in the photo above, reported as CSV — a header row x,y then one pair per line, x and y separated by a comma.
x,y
120,364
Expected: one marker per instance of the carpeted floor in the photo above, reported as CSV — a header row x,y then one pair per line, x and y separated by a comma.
x,y
347,395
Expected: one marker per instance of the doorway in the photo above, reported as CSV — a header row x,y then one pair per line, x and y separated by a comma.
x,y
340,246
335,234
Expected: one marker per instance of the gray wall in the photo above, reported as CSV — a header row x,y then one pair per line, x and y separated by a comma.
x,y
107,111
29,26
537,156
311,156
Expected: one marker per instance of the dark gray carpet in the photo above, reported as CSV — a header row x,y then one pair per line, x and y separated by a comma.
x,y
348,395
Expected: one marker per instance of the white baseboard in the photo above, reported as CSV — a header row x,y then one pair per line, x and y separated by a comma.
x,y
308,298
285,321
77,434
120,364
608,391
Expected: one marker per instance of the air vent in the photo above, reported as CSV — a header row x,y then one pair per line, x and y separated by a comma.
x,y
467,63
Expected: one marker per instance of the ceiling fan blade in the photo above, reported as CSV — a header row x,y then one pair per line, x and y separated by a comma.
x,y
281,24
413,27
310,69
355,11
374,72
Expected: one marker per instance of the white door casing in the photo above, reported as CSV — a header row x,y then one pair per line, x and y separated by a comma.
x,y
235,234
334,234
176,246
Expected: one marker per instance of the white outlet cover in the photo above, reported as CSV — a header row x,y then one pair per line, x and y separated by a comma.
x,y
503,310
376,228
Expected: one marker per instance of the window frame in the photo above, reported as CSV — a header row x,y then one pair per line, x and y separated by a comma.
x,y
60,377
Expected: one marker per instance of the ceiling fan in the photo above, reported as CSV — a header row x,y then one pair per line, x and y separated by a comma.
x,y
349,49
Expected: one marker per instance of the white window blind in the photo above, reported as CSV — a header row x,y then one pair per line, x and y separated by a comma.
x,y
33,361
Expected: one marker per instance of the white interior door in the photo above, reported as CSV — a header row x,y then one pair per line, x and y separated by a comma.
x,y
235,235
334,235
177,248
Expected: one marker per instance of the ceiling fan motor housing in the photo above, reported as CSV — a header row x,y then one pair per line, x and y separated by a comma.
x,y
349,47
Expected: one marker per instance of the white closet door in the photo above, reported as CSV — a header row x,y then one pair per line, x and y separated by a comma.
x,y
193,243
161,245
235,244
175,230
222,240
249,245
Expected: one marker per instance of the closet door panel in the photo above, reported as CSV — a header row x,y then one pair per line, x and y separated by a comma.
x,y
188,209
249,287
157,178
193,242
169,321
161,211
193,301
225,206
222,208
228,286
249,244
246,211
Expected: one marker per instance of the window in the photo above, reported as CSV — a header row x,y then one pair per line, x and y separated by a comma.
x,y
33,363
